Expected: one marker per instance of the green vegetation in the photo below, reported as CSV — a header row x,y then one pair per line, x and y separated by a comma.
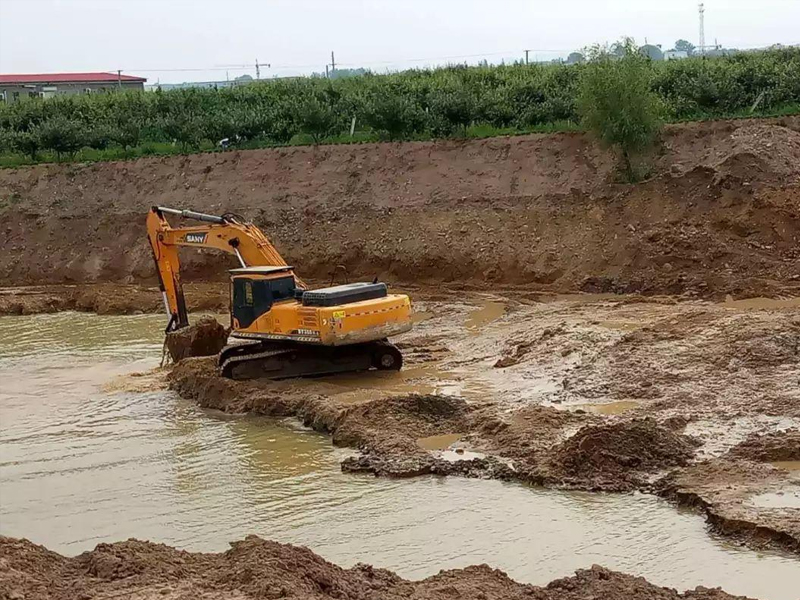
x,y
617,103
419,104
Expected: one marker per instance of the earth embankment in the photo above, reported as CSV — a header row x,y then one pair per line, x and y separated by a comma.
x,y
720,214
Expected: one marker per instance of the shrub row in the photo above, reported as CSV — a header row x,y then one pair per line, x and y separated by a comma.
x,y
409,105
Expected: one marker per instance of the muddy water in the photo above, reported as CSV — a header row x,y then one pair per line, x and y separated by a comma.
x,y
86,456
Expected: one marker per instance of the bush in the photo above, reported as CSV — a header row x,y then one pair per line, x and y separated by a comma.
x,y
407,105
394,114
61,135
316,117
617,104
187,129
452,108
25,142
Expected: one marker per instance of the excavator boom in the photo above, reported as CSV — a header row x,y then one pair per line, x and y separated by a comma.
x,y
227,233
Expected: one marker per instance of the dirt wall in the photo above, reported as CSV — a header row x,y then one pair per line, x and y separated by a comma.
x,y
721,213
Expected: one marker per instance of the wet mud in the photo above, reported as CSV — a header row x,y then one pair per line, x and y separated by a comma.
x,y
257,568
206,337
581,392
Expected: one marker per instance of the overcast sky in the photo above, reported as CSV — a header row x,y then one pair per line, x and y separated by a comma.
x,y
195,40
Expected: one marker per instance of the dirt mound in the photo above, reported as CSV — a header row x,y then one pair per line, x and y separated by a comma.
x,y
258,569
770,447
536,210
204,338
761,152
413,416
527,435
616,456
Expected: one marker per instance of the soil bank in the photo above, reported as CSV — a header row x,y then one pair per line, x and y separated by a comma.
x,y
719,216
256,568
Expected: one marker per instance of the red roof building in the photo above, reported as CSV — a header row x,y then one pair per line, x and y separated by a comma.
x,y
14,87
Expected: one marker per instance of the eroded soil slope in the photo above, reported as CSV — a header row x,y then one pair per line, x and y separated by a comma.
x,y
256,568
720,215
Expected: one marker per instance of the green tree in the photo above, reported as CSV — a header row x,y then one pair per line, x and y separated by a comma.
x,y
128,134
26,143
616,103
99,136
315,117
453,108
685,46
185,128
393,114
62,135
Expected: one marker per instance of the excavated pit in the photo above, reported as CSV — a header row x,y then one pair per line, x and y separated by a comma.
x,y
652,390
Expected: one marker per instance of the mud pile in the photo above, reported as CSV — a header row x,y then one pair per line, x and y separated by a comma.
x,y
527,435
206,337
700,363
617,456
719,216
759,153
260,569
770,447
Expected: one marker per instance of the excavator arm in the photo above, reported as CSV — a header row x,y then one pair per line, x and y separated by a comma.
x,y
228,233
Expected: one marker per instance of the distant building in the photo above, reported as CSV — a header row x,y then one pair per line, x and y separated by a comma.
x,y
675,54
15,87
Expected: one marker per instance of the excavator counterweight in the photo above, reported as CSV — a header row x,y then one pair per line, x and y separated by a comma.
x,y
280,328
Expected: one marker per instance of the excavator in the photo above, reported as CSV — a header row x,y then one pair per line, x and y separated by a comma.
x,y
279,327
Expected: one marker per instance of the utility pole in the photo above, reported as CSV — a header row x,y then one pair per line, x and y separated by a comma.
x,y
333,62
526,56
702,11
119,79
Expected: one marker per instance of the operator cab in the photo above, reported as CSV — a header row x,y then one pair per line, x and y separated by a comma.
x,y
255,289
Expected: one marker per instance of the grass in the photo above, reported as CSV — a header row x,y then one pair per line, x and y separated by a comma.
x,y
475,131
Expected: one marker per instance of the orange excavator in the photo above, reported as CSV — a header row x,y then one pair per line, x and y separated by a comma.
x,y
279,327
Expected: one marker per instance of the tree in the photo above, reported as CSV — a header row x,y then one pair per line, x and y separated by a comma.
x,y
315,117
452,108
685,46
575,58
394,114
99,136
62,135
26,142
617,104
127,134
185,128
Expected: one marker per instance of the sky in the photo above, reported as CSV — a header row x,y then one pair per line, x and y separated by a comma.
x,y
201,40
